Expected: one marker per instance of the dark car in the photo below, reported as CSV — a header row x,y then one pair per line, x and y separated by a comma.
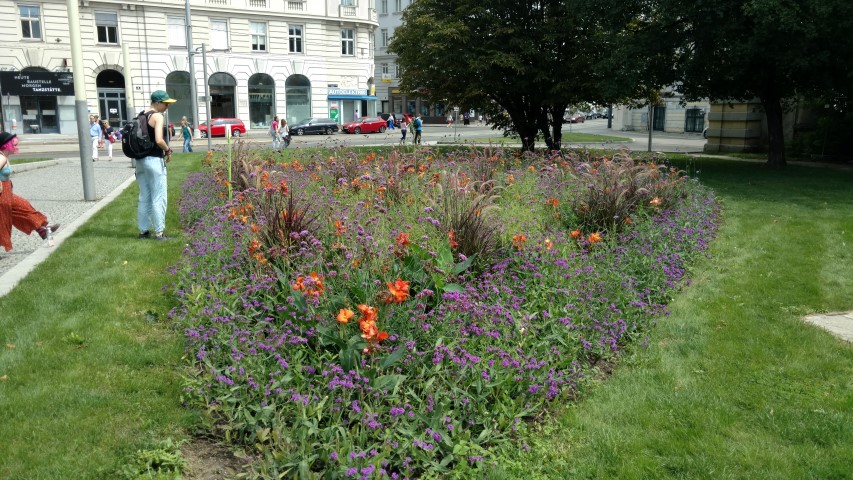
x,y
365,125
314,125
219,126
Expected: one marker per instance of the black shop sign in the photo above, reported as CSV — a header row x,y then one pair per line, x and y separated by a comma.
x,y
39,84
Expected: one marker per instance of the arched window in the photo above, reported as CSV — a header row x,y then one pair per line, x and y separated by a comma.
x,y
261,100
223,95
178,87
298,96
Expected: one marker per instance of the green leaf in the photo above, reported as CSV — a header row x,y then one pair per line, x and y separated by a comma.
x,y
395,357
462,266
388,382
452,287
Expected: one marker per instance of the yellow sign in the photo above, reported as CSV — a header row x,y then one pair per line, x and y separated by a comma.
x,y
387,80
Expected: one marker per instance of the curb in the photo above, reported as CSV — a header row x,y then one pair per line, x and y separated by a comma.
x,y
14,275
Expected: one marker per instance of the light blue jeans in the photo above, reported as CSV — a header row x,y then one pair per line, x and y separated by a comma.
x,y
151,176
188,145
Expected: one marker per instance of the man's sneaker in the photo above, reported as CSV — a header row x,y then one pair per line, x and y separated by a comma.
x,y
145,234
161,236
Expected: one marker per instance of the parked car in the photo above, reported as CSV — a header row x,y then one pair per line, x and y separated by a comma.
x,y
314,125
219,126
366,125
397,118
575,118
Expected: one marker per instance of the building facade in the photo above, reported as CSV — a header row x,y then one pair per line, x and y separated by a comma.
x,y
671,115
291,58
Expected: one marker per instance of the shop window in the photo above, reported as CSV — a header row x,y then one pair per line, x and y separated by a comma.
x,y
694,120
298,97
222,90
107,26
347,42
261,100
30,22
177,31
258,32
294,33
219,34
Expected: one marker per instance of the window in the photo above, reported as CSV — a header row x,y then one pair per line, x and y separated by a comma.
x,y
294,33
371,45
258,32
30,22
384,36
383,7
107,23
384,67
398,5
348,3
396,69
219,34
347,42
177,31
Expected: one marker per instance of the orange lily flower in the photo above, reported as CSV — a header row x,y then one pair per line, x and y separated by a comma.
x,y
399,291
345,315
594,238
518,241
452,237
576,234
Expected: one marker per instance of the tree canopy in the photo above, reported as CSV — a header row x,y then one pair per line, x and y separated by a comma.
x,y
521,62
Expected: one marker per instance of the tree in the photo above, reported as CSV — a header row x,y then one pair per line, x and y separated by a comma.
x,y
775,50
522,62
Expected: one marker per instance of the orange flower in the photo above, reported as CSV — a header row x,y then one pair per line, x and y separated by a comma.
x,y
339,228
298,285
549,244
553,202
628,220
345,315
368,313
313,287
452,237
403,240
594,238
254,246
510,179
382,336
399,291
518,241
655,202
576,234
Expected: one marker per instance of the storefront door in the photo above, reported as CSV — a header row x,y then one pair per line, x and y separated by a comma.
x,y
113,106
39,115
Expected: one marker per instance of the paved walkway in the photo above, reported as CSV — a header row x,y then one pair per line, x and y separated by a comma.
x,y
56,189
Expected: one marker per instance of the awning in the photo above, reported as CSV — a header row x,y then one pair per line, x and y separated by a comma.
x,y
353,97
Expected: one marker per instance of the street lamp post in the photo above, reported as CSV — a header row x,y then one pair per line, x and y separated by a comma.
x,y
455,122
206,94
193,90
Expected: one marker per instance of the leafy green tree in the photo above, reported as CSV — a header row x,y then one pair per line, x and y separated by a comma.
x,y
522,62
773,50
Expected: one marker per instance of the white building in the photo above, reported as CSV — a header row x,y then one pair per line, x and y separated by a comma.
x,y
672,115
292,58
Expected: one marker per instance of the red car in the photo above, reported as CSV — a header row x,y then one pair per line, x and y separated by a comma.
x,y
576,118
220,124
366,125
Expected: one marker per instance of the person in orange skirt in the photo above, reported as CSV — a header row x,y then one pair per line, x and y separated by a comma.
x,y
14,210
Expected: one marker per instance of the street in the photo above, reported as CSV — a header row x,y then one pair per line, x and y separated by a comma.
x,y
65,146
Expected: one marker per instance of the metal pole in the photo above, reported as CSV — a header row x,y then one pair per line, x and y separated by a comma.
x,y
82,111
651,112
193,90
206,94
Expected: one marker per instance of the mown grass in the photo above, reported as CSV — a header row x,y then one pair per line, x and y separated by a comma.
x,y
88,358
733,384
18,161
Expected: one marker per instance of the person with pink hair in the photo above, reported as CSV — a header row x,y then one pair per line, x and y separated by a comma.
x,y
14,210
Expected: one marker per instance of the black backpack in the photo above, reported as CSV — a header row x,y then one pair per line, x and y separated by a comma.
x,y
135,141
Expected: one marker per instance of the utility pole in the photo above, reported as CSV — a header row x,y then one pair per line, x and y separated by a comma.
x,y
193,90
651,112
82,110
206,94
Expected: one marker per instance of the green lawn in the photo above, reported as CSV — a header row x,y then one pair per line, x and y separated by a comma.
x,y
18,161
732,385
88,359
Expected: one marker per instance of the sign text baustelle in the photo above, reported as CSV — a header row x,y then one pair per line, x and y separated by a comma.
x,y
39,84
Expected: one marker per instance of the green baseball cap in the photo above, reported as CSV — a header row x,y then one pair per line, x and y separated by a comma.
x,y
161,96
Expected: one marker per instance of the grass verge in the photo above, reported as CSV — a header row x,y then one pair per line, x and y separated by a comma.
x,y
733,384
88,360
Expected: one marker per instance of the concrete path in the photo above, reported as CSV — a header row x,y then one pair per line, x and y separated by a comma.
x,y
839,324
55,188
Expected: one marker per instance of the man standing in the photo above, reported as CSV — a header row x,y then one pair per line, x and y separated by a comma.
x,y
96,134
151,171
418,125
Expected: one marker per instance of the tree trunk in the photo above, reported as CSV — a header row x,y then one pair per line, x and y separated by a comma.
x,y
775,131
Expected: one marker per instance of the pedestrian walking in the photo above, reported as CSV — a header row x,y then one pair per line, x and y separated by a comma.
x,y
449,120
466,119
274,133
109,135
391,122
15,211
96,135
284,133
186,135
151,171
418,125
403,126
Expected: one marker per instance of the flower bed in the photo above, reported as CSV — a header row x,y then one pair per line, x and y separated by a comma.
x,y
400,316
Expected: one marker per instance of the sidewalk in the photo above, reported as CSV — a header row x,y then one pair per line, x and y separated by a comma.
x,y
55,188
